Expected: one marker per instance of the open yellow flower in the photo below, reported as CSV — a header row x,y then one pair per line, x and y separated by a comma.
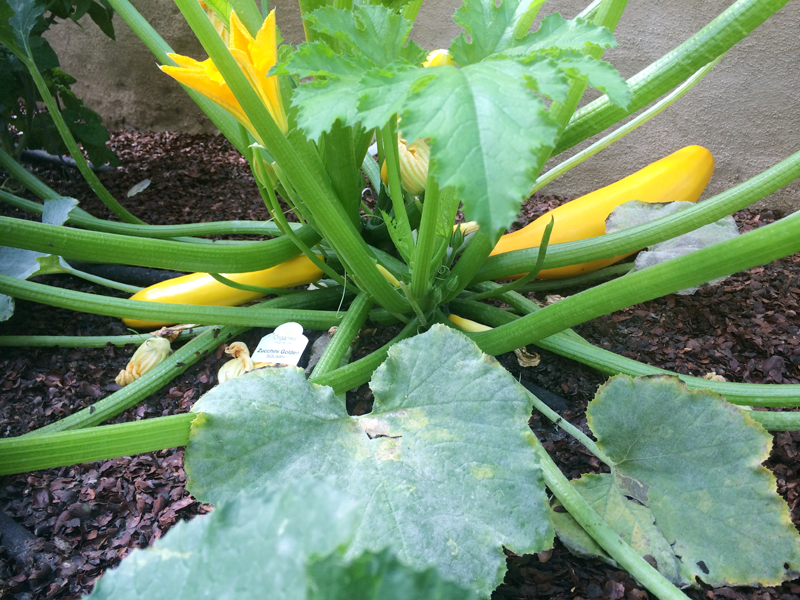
x,y
255,57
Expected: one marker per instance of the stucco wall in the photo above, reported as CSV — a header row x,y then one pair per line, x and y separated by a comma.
x,y
745,111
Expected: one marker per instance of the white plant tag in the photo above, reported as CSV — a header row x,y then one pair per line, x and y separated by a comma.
x,y
284,346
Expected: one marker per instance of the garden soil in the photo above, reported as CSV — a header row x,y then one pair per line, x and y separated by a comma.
x,y
85,518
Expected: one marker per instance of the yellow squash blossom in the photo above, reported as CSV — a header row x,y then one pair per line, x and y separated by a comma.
x,y
255,57
414,159
438,58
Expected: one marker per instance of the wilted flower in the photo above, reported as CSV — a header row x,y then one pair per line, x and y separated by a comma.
x,y
256,56
414,160
147,356
239,365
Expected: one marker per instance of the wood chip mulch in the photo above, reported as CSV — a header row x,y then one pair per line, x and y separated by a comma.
x,y
80,520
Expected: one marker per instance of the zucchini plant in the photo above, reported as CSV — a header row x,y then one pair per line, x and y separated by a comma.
x,y
444,471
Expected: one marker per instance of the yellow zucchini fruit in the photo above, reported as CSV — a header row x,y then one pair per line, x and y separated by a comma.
x,y
681,176
201,289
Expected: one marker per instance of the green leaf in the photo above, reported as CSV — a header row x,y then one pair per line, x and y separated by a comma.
x,y
254,546
695,461
374,37
6,307
374,32
556,32
491,30
443,461
633,213
489,27
378,575
599,74
323,102
56,212
6,31
486,129
102,16
25,14
633,522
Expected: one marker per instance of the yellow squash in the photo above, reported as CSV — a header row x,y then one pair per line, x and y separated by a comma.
x,y
203,290
683,175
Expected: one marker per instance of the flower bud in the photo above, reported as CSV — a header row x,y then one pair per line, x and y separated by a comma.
x,y
387,275
414,160
239,365
467,227
147,356
438,58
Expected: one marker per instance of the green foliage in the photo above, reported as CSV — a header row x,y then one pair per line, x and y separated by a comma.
x,y
23,264
262,544
633,522
378,575
487,106
23,125
256,542
695,462
444,465
444,472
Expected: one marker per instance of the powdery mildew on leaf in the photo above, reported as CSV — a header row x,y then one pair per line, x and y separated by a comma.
x,y
695,461
443,463
254,546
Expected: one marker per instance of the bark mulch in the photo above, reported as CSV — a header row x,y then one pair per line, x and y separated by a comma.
x,y
83,519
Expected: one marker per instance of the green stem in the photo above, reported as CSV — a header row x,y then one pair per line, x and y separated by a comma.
x,y
608,539
253,288
316,191
641,236
31,453
156,44
72,146
18,172
389,136
621,132
716,38
359,372
411,10
87,341
510,287
426,240
571,345
776,421
373,172
754,248
115,285
84,220
275,211
248,12
340,164
559,421
346,332
167,313
150,383
92,246
547,285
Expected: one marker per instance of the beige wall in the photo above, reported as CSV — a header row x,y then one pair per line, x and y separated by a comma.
x,y
745,111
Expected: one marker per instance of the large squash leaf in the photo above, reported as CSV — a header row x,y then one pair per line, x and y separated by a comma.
x,y
633,522
256,546
695,461
443,463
